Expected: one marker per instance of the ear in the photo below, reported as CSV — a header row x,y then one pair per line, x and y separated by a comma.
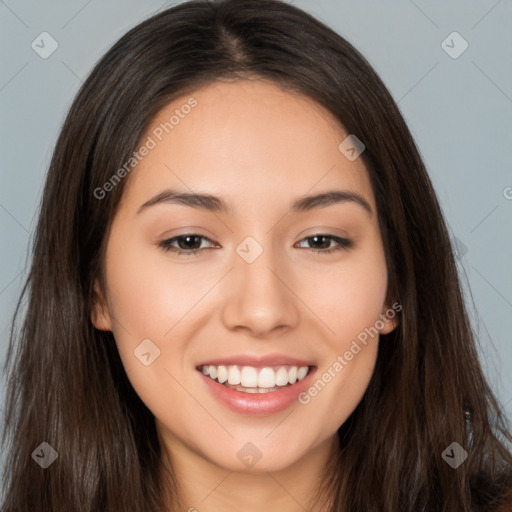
x,y
100,316
389,317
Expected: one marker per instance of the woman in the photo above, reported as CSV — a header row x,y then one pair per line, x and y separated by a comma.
x,y
243,294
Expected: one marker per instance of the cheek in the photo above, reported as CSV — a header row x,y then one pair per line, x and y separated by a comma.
x,y
148,293
352,300
347,297
150,300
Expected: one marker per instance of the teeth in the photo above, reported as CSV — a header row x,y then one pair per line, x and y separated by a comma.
x,y
222,374
266,378
253,390
248,377
282,376
292,375
233,375
302,372
255,380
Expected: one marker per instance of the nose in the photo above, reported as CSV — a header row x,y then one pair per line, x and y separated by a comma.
x,y
259,296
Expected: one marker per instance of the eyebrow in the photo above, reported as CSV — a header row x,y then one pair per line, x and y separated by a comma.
x,y
216,204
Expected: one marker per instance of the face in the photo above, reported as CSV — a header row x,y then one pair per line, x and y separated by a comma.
x,y
251,285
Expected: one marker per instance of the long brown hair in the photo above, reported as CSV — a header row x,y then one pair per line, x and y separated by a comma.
x,y
66,383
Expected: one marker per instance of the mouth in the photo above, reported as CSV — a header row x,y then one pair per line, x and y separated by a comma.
x,y
256,390
252,379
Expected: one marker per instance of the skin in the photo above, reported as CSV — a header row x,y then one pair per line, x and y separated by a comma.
x,y
259,148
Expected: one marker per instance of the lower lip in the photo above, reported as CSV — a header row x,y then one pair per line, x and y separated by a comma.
x,y
258,404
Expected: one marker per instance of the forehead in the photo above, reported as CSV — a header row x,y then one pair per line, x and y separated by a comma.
x,y
245,139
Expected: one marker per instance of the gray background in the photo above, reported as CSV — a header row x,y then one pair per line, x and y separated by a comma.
x,y
458,109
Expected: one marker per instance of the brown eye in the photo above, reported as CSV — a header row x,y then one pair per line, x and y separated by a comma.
x,y
322,243
189,243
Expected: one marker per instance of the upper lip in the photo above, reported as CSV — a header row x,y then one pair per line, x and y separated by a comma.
x,y
257,361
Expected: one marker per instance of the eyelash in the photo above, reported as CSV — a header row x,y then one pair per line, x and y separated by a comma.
x,y
165,245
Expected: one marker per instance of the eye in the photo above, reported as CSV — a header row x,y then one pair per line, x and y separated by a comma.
x,y
191,243
320,239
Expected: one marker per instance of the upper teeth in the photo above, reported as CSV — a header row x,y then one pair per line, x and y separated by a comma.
x,y
251,377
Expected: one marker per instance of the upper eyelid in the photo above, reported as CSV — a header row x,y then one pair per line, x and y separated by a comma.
x,y
176,237
319,233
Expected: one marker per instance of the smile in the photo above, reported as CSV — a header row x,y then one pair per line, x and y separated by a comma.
x,y
250,379
267,387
